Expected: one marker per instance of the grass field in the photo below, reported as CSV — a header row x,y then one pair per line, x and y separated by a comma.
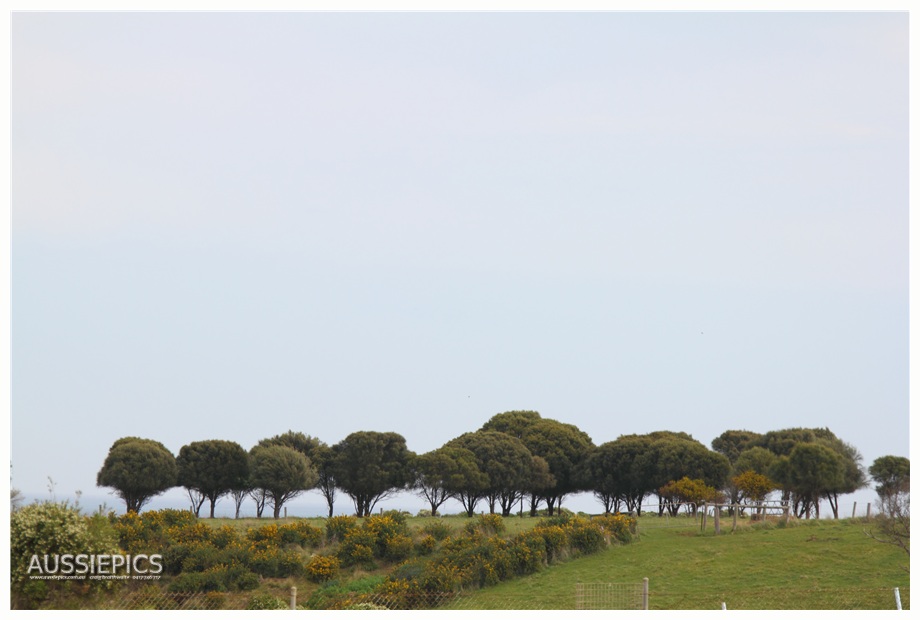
x,y
819,564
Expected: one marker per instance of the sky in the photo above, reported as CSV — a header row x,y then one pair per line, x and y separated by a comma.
x,y
231,225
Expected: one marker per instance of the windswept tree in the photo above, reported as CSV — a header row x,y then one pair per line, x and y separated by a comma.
x,y
369,466
320,456
617,474
506,462
672,456
323,462
853,474
733,443
891,475
807,473
280,473
212,469
138,470
445,473
847,478
564,448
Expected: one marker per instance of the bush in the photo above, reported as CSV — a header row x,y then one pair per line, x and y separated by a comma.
x,y
338,527
266,601
301,533
438,530
488,525
50,528
322,568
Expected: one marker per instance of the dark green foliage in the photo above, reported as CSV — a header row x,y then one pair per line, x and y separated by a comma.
x,y
891,475
368,466
138,469
564,448
444,473
617,475
213,468
506,462
282,472
733,443
222,579
808,471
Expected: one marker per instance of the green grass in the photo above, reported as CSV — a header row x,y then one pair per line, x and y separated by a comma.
x,y
820,564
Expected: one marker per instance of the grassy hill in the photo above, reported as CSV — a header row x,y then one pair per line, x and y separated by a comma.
x,y
818,564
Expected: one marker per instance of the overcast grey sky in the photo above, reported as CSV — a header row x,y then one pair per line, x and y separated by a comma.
x,y
228,225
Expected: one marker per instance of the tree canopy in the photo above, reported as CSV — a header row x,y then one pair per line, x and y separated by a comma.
x,y
368,466
138,470
281,472
213,468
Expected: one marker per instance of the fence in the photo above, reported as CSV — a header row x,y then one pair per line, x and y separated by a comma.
x,y
630,596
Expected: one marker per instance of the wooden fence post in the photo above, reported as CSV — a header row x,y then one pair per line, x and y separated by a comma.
x,y
703,520
734,518
716,509
293,597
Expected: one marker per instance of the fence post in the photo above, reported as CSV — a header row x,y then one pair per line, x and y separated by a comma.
x,y
854,510
868,509
897,598
734,517
293,597
723,606
703,520
645,593
716,509
786,514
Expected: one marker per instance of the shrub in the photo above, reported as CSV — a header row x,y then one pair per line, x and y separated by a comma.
x,y
619,527
338,527
267,535
301,533
266,601
586,536
487,525
438,530
50,528
322,568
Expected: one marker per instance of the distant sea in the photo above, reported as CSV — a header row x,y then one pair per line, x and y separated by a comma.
x,y
312,504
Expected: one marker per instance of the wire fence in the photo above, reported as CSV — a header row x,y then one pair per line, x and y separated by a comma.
x,y
610,596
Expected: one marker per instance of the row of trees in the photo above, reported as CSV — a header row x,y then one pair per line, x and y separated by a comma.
x,y
517,458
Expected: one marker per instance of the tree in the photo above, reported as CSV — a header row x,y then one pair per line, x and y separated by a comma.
x,y
444,473
323,458
733,443
754,459
506,462
753,487
320,456
282,473
672,456
616,475
808,472
564,447
853,475
138,469
369,466
304,444
212,468
891,475
688,492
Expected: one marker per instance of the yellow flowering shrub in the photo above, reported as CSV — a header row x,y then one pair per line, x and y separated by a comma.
x,y
322,568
